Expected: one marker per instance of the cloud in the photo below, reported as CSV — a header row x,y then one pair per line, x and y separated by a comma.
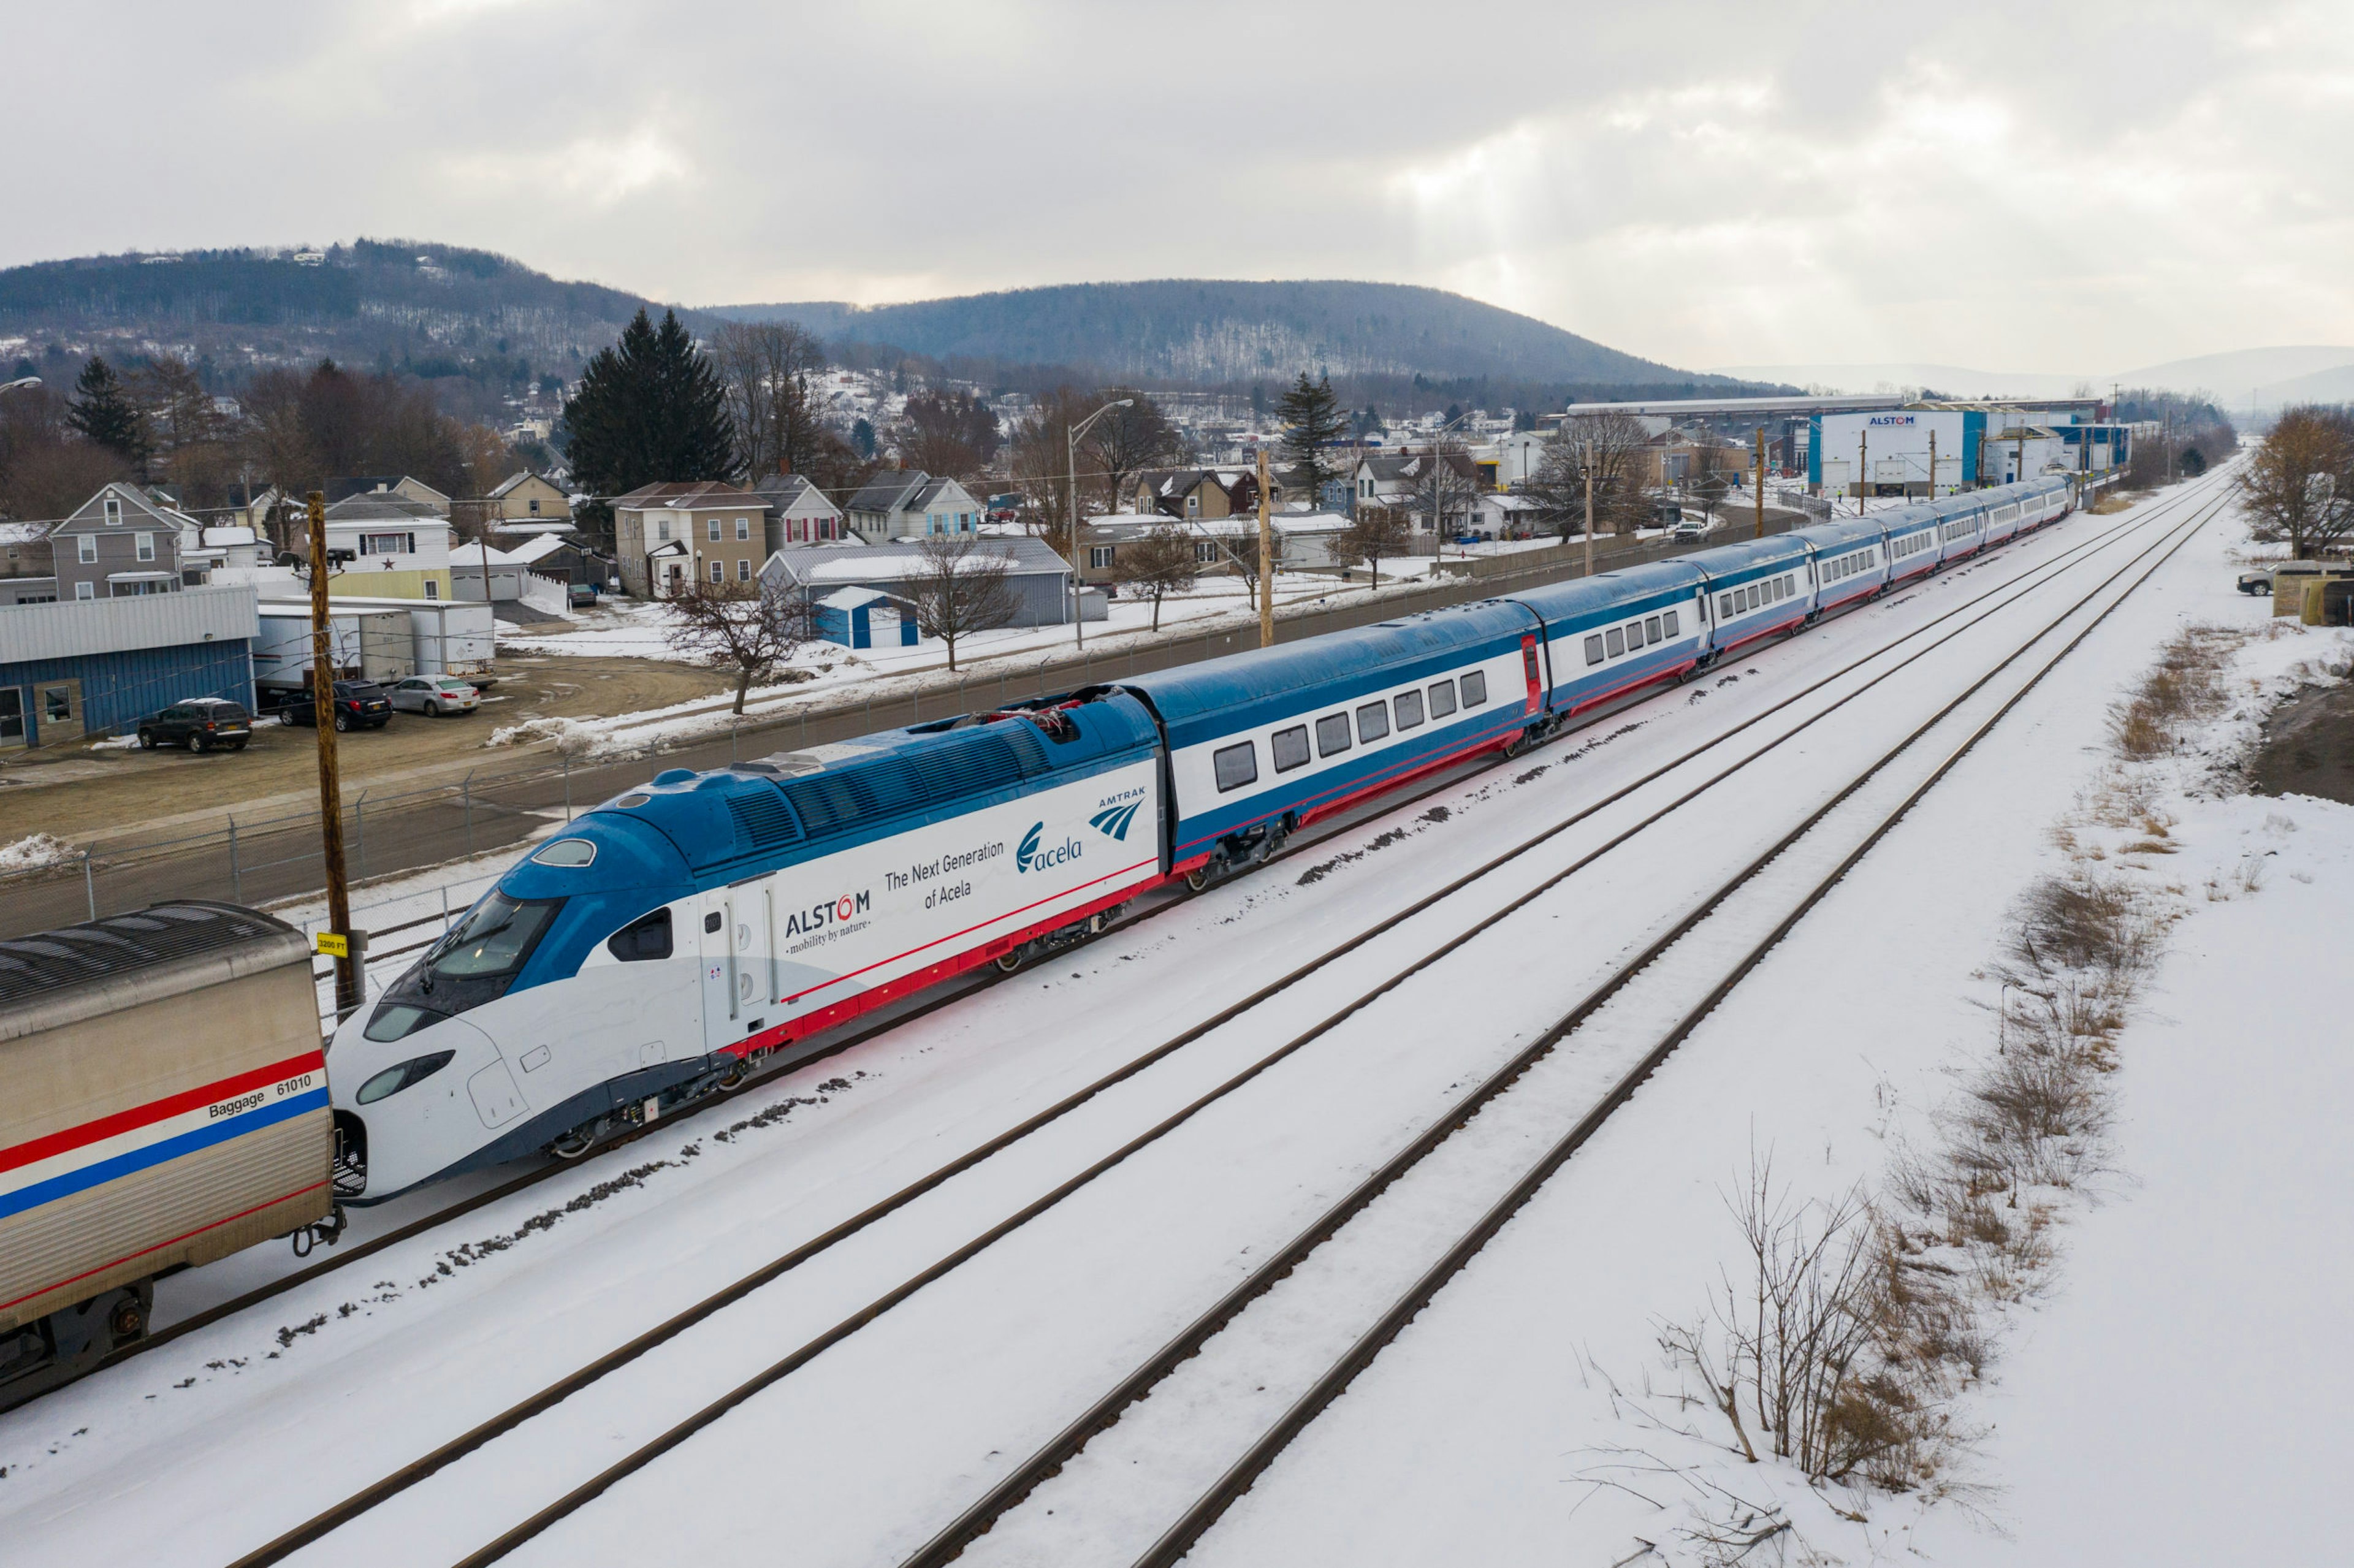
x,y
2064,188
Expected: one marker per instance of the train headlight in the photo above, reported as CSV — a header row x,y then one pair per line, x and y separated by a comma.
x,y
392,1080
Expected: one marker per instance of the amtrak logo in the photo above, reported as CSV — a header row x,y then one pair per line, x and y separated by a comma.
x,y
1031,856
1115,821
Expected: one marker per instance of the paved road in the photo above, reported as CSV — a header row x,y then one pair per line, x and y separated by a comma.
x,y
260,867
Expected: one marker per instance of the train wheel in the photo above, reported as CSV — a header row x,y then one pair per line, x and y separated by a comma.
x,y
127,1321
1010,960
575,1143
1198,878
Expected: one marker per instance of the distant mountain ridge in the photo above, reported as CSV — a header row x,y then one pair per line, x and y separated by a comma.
x,y
1212,330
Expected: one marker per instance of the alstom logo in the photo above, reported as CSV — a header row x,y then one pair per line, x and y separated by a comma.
x,y
1115,821
817,916
1031,858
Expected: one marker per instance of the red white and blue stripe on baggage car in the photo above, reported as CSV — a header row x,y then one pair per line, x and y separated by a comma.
x,y
57,1165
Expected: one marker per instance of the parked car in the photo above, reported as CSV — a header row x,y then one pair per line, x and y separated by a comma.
x,y
435,696
583,596
359,704
1689,529
199,723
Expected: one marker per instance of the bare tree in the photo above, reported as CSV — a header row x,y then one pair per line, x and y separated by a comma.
x,y
1378,533
749,628
1240,553
1041,460
960,589
1125,441
770,370
1161,563
2298,487
951,435
1446,485
1612,443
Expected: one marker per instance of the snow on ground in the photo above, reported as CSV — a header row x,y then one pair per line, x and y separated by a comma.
x,y
35,851
434,1334
2172,1396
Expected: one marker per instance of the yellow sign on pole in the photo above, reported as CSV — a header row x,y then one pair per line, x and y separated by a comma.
x,y
334,944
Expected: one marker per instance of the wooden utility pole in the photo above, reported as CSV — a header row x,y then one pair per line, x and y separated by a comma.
x,y
1760,531
331,797
1862,469
1932,462
1589,509
1266,560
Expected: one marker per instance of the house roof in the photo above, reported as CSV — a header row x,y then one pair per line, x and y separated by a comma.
x,y
513,481
787,491
537,547
216,537
384,508
890,490
853,597
817,564
689,497
91,512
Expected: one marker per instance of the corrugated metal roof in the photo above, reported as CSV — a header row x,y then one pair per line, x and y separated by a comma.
x,y
97,949
73,627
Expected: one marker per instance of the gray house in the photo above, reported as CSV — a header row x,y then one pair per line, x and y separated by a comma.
x,y
907,503
118,543
1041,579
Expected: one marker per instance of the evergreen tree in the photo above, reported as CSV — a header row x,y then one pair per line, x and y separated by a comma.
x,y
103,411
651,410
1312,420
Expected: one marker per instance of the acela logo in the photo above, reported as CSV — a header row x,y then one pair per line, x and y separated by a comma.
x,y
1029,857
1115,821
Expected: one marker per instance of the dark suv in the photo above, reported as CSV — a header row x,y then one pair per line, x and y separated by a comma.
x,y
199,723
359,704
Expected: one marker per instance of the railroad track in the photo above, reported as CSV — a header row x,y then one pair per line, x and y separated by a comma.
x,y
1806,882
977,982
407,1477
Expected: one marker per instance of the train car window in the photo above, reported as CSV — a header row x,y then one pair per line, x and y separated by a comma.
x,y
1593,649
710,921
1442,695
1723,606
567,852
1236,766
1290,748
1670,618
1756,595
1475,688
647,937
1373,722
1408,708
1332,735
1614,641
1652,632
1634,636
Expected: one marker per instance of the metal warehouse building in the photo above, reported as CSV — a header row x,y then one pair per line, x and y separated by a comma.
x,y
1894,444
92,667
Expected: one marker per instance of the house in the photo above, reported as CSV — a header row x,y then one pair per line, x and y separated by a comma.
x,y
1040,579
25,550
1192,494
799,513
400,484
1401,482
864,618
75,669
119,543
907,503
397,548
704,531
524,497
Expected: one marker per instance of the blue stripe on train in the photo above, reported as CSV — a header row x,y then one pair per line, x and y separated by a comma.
x,y
137,1159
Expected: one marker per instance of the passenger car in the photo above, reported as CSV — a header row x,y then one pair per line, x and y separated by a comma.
x,y
434,696
359,704
199,723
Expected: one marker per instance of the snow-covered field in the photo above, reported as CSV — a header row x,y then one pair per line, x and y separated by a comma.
x,y
1475,1438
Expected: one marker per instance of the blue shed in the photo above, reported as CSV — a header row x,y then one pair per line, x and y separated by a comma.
x,y
93,667
861,617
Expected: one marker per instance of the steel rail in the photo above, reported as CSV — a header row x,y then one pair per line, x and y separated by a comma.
x,y
841,1331
1181,1536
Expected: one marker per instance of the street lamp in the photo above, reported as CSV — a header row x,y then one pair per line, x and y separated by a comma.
x,y
1078,583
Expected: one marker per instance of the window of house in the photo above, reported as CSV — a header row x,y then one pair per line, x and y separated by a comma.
x,y
719,571
1192,506
1593,649
1373,722
1290,747
1332,735
1099,557
86,549
662,530
744,569
743,527
145,545
1408,705
535,508
1205,552
1442,699
432,588
1475,688
113,513
85,590
1236,766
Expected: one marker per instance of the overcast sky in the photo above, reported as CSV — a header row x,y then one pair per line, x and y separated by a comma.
x,y
2067,187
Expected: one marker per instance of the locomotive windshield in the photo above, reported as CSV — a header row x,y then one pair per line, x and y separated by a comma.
x,y
473,963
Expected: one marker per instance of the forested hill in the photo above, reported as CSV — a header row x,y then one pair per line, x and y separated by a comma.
x,y
1208,331
405,303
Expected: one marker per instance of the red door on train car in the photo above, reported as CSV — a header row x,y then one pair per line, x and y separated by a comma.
x,y
1529,667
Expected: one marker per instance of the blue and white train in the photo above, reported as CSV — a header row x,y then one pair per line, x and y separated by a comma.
x,y
674,937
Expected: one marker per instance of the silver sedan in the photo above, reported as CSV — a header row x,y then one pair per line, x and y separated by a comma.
x,y
434,696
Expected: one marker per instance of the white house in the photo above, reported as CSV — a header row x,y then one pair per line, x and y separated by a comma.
x,y
799,513
400,547
907,503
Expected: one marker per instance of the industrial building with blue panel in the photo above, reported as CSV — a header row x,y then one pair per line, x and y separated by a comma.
x,y
82,668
